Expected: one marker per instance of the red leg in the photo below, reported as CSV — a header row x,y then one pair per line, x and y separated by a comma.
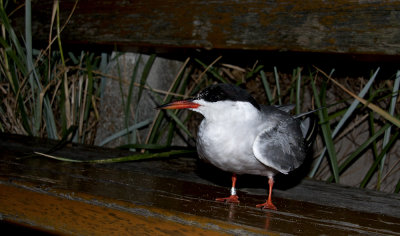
x,y
233,198
268,204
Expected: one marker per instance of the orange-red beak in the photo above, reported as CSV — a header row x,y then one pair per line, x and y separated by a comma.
x,y
183,104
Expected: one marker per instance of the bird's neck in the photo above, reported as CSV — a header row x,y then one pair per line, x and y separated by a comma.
x,y
232,112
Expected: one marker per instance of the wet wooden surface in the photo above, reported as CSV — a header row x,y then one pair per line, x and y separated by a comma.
x,y
172,196
356,27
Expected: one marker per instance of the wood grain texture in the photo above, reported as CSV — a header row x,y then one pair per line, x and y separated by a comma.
x,y
171,196
356,27
59,215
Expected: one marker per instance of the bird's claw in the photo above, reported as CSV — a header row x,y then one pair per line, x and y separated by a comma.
x,y
267,205
231,199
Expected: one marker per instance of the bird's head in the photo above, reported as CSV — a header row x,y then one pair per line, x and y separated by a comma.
x,y
216,99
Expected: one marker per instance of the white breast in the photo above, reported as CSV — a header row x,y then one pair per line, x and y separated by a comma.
x,y
226,136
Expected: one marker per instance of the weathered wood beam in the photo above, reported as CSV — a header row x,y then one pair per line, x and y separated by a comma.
x,y
355,27
171,196
66,213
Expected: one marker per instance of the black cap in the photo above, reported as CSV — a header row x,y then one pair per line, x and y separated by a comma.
x,y
226,92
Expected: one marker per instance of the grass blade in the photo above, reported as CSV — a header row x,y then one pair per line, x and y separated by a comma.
x,y
386,137
129,99
29,62
154,134
298,102
136,157
125,131
397,189
253,72
371,106
143,80
145,74
144,146
378,160
343,120
13,37
212,70
179,122
326,133
65,101
183,81
266,87
278,89
360,149
103,69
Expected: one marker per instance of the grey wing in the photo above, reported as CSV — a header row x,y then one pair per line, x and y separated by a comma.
x,y
285,108
280,147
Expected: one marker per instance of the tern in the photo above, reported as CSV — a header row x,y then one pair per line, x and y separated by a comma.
x,y
240,136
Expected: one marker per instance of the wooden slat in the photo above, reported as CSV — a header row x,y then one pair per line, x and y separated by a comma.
x,y
81,215
356,27
171,196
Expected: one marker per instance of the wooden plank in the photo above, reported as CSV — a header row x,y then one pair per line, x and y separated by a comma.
x,y
356,27
179,193
78,215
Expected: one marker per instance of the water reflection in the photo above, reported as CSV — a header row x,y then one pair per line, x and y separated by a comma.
x,y
234,210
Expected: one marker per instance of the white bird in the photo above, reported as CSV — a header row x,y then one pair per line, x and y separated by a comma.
x,y
242,137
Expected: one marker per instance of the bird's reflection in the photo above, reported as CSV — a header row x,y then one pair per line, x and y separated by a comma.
x,y
233,210
267,219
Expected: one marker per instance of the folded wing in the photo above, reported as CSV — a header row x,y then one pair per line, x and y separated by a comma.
x,y
281,147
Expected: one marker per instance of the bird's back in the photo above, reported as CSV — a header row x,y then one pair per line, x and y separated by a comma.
x,y
280,144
